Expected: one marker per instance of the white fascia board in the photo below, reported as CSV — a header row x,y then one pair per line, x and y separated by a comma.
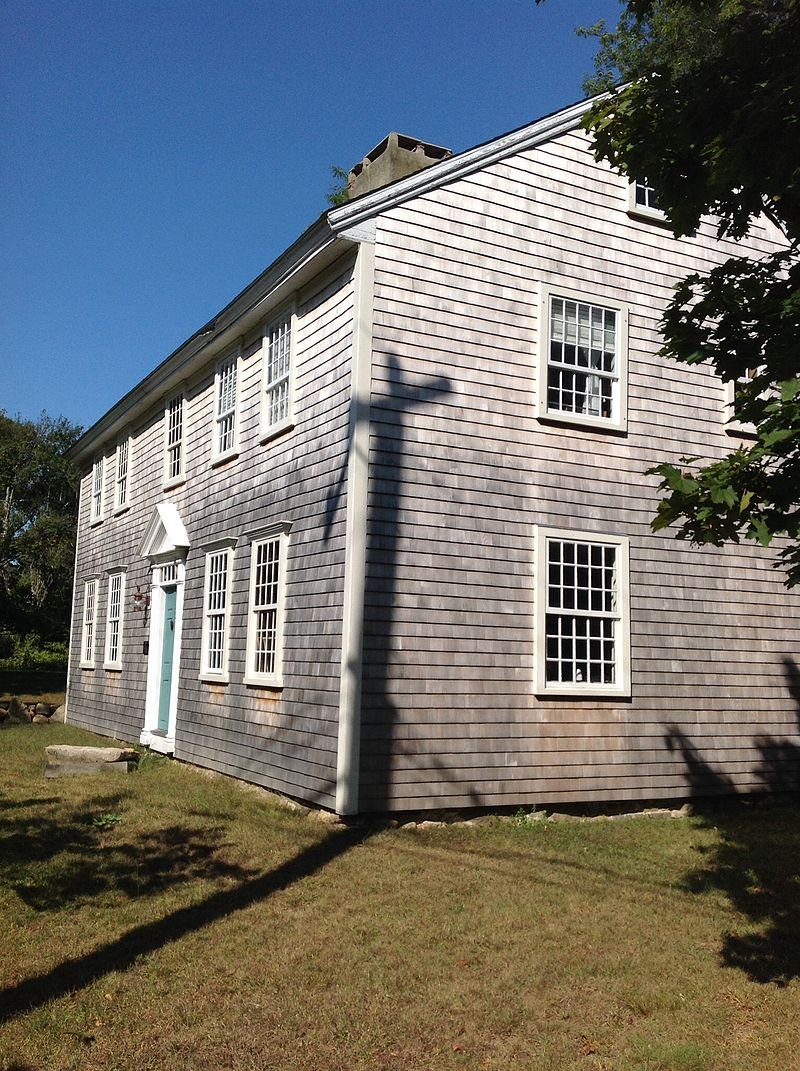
x,y
313,251
347,216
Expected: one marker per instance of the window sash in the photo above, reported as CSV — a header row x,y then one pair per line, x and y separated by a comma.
x,y
583,358
277,371
114,619
216,611
97,489
226,406
581,613
89,606
174,438
266,609
121,493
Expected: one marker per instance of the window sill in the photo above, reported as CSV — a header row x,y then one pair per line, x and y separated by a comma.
x,y
95,522
86,665
176,481
214,678
588,691
221,459
748,431
274,683
112,667
649,215
593,423
274,432
120,510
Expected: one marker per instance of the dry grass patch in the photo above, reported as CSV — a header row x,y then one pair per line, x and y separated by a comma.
x,y
166,920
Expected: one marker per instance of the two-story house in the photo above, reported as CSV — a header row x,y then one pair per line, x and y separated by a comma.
x,y
378,535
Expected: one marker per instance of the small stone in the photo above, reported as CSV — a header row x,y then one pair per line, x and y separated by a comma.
x,y
535,816
59,714
687,810
557,816
40,719
431,825
328,818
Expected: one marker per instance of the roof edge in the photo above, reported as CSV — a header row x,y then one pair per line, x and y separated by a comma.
x,y
489,152
182,361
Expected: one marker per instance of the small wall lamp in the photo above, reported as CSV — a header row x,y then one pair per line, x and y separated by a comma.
x,y
141,600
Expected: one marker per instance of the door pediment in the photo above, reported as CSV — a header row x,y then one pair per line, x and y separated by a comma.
x,y
165,536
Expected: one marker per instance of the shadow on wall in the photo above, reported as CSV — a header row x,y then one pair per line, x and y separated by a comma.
x,y
756,860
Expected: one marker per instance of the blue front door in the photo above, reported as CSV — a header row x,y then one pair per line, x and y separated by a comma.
x,y
167,650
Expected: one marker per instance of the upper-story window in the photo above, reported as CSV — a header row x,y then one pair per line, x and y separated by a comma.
x,y
87,630
583,360
733,391
97,490
277,401
582,619
174,439
122,475
225,390
116,596
643,200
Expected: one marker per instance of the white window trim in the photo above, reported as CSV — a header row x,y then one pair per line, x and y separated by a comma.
x,y
97,502
220,676
732,425
169,481
86,623
622,686
115,663
618,422
270,431
121,507
655,215
280,532
218,456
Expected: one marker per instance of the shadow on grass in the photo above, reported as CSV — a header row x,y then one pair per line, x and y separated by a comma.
x,y
756,860
55,859
121,954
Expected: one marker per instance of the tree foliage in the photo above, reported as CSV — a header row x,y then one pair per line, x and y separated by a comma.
x,y
708,110
38,506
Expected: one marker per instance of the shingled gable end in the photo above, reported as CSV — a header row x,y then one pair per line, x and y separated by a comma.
x,y
378,535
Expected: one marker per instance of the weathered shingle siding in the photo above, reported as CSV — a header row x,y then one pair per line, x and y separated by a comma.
x,y
461,470
280,739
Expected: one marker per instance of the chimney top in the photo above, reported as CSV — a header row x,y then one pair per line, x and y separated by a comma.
x,y
393,158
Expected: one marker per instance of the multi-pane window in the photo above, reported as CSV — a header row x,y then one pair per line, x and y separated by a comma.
x,y
265,624
174,438
122,474
225,407
644,196
87,632
582,360
116,592
97,489
583,613
216,606
277,372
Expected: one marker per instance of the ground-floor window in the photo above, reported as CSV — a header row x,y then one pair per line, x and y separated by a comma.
x,y
582,616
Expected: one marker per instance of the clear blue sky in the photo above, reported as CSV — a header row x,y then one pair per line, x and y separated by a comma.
x,y
156,157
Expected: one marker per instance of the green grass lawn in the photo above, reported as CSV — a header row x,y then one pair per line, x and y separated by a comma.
x,y
170,920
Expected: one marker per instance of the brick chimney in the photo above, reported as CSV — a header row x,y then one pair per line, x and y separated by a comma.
x,y
394,158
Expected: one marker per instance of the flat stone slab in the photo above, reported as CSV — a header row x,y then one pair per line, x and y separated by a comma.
x,y
61,753
70,769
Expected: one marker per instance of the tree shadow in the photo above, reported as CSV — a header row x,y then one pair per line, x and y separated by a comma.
x,y
755,861
122,953
55,859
